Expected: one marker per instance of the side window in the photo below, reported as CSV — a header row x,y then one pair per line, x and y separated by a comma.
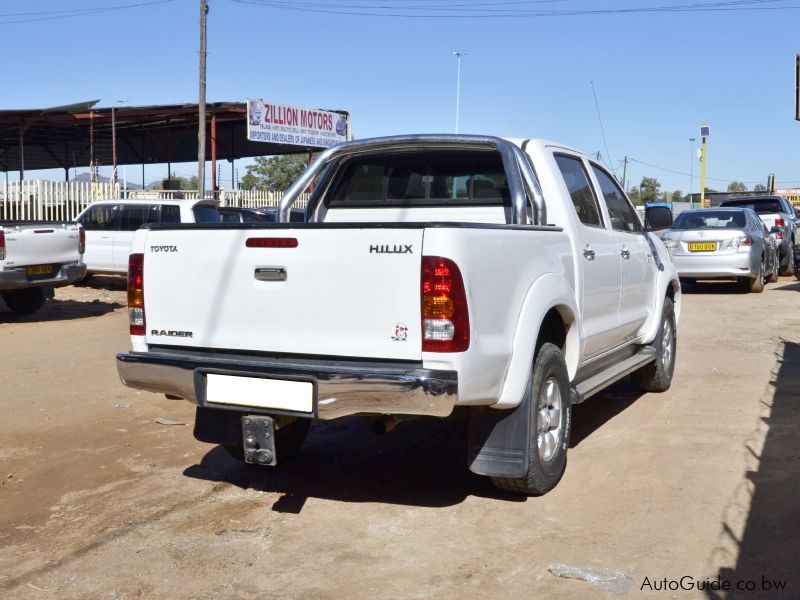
x,y
580,190
623,215
100,218
133,216
170,213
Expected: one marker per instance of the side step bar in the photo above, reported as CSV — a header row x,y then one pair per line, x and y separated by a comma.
x,y
615,372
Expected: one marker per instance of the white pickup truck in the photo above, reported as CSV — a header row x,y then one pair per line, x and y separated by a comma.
x,y
509,279
35,258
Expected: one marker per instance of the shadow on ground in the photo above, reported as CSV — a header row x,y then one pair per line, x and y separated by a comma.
x,y
105,282
421,463
60,310
598,410
769,548
712,287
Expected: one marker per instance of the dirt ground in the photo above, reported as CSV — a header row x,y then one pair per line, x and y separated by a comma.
x,y
97,500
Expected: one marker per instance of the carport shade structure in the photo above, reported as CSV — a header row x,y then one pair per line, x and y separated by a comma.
x,y
77,135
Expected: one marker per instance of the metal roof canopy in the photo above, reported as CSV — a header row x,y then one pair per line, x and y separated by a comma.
x,y
61,137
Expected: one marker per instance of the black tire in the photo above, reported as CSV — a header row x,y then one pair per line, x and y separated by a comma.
x,y
774,273
657,376
756,284
24,301
288,441
549,373
788,268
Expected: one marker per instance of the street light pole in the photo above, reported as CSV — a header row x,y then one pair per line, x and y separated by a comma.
x,y
458,56
691,172
201,106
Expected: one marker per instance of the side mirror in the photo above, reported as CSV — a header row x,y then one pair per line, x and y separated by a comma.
x,y
657,217
775,229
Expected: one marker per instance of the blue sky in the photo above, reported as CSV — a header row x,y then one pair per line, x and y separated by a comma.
x,y
658,76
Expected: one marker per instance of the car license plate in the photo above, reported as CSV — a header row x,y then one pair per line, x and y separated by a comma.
x,y
279,394
39,270
702,246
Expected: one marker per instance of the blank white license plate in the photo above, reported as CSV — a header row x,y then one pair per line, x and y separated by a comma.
x,y
261,393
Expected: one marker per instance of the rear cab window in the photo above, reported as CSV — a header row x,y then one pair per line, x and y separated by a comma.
x,y
760,206
460,178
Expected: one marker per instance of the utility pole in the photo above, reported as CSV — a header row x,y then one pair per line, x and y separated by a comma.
x,y
201,106
691,172
458,56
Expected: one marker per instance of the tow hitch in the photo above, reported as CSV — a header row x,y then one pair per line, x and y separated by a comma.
x,y
258,436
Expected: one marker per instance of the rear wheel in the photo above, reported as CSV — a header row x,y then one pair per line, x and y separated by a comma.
x,y
756,285
788,268
289,438
24,301
657,375
551,414
773,274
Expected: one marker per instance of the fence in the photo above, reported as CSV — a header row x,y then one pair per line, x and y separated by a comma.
x,y
63,201
50,200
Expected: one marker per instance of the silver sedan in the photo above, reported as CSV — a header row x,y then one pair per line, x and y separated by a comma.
x,y
722,243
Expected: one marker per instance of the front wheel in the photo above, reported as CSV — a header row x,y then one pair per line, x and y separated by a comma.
x,y
24,301
657,375
551,418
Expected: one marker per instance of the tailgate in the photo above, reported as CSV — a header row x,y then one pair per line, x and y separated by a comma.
x,y
769,219
339,292
41,244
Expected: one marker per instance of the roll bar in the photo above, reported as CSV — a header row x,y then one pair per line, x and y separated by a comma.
x,y
522,180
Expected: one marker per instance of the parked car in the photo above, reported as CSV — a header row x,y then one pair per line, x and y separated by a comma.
x,y
35,258
509,278
232,214
110,226
723,243
775,211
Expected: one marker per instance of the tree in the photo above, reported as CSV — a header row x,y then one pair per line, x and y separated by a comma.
x,y
737,186
273,173
650,189
760,187
677,196
633,194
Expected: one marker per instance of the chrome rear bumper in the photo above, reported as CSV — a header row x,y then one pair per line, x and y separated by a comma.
x,y
341,388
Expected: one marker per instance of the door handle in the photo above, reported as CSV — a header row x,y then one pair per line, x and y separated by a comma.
x,y
588,253
626,254
270,273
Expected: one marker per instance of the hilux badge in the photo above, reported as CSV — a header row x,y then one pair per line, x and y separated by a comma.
x,y
400,332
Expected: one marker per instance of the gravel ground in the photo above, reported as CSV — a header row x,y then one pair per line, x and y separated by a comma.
x,y
97,500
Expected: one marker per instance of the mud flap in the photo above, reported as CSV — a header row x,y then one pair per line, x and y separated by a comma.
x,y
498,441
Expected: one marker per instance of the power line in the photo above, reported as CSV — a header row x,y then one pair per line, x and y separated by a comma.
x,y
422,11
52,15
641,162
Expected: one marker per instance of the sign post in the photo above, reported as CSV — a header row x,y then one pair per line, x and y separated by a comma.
x,y
705,131
295,126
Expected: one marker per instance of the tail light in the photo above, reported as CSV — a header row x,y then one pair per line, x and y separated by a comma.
x,y
739,242
2,245
779,223
81,240
778,235
136,294
445,318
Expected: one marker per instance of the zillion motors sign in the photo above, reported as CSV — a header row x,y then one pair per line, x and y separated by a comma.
x,y
308,127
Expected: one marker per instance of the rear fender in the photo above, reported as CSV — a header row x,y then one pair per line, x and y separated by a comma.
x,y
547,292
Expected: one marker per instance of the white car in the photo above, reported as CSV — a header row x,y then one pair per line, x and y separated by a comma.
x,y
508,278
111,224
36,257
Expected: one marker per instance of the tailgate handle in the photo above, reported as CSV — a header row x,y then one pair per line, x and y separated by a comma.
x,y
270,273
